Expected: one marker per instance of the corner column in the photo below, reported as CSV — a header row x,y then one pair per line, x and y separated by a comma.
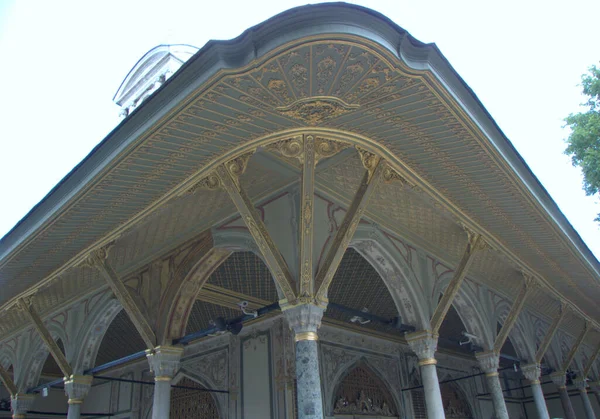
x,y
20,403
581,385
532,373
488,361
76,388
560,380
424,345
305,320
164,364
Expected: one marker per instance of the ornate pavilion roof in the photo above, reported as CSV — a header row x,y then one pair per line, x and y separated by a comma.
x,y
337,71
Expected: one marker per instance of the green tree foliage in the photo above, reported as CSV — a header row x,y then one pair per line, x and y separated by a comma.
x,y
583,144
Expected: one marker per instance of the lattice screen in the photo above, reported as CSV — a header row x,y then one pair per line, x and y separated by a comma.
x,y
192,404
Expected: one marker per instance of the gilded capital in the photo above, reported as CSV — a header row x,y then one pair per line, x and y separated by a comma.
x,y
559,378
423,343
164,361
77,387
20,403
580,383
304,318
488,361
532,371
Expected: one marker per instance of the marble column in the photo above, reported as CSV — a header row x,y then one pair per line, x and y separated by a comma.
x,y
488,361
424,345
305,320
20,404
560,380
76,388
532,372
164,364
595,387
581,385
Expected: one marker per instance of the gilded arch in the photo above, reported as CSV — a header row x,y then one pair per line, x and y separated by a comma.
x,y
469,308
359,387
396,273
89,339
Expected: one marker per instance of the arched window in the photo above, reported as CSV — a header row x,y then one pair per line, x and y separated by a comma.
x,y
361,392
187,403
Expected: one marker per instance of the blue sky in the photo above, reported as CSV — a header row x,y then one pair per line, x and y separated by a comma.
x,y
64,60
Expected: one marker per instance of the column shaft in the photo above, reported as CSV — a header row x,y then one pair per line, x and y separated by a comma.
x,y
540,402
431,389
74,411
587,405
161,406
493,382
308,379
566,402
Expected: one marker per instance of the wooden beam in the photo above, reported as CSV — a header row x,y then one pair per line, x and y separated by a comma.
x,y
588,367
8,382
513,315
375,172
227,175
474,242
98,259
26,304
576,346
550,335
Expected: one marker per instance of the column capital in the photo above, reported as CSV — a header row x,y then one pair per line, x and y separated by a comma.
x,y
532,372
488,361
304,320
559,378
164,361
580,384
77,387
424,344
20,403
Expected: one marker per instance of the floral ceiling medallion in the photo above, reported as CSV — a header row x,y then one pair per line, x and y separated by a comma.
x,y
317,109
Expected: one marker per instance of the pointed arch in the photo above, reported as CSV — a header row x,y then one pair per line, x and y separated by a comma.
x,y
396,273
361,375
203,382
468,305
92,332
524,347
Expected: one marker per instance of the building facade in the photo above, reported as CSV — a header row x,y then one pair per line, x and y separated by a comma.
x,y
317,219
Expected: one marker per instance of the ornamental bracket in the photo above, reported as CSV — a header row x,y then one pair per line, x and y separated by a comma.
x,y
98,260
375,169
515,310
550,335
26,305
475,242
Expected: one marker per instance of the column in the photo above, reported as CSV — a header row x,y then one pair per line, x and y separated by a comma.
x,y
580,384
560,381
164,364
20,404
304,320
595,387
76,388
424,344
488,361
532,372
